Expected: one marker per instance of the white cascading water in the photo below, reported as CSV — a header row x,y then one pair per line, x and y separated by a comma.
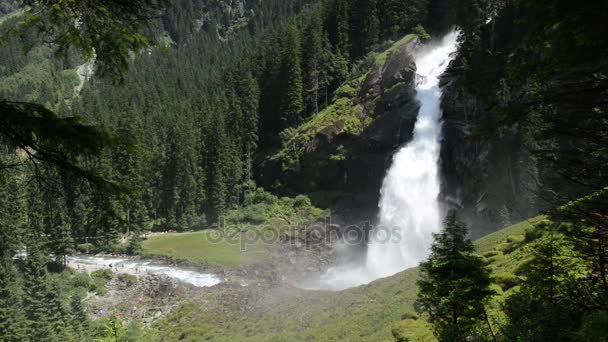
x,y
409,209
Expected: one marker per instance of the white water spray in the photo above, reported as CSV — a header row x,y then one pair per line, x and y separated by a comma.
x,y
409,211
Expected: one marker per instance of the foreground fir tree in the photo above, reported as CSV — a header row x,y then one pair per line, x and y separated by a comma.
x,y
454,284
541,309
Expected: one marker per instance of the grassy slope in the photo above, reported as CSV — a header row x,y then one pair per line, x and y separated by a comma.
x,y
199,247
366,313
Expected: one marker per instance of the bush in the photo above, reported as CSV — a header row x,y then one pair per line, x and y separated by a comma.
x,y
85,248
490,254
105,274
421,33
497,289
515,239
127,279
98,285
532,234
259,196
506,280
594,328
81,280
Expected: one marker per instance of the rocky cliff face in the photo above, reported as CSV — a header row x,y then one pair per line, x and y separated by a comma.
x,y
344,160
487,171
480,169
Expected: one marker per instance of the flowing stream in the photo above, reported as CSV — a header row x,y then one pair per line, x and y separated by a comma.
x,y
142,267
409,210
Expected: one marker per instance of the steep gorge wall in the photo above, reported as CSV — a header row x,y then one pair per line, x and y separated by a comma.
x,y
487,171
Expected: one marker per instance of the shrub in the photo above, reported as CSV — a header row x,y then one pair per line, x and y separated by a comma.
x,y
85,248
515,239
259,196
81,280
98,286
506,280
421,33
532,234
594,328
127,279
490,254
497,289
105,274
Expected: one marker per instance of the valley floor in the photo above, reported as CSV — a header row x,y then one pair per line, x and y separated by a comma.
x,y
271,310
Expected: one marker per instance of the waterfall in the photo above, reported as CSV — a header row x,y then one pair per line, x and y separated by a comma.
x,y
409,210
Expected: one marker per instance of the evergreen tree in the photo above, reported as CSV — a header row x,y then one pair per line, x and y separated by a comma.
x,y
541,310
12,321
339,23
40,313
454,283
291,72
217,153
79,321
365,30
312,47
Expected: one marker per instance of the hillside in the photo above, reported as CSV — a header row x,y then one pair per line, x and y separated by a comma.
x,y
365,313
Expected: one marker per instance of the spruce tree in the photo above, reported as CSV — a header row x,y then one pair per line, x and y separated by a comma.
x,y
39,314
12,321
454,283
541,309
312,47
217,153
79,321
292,103
342,28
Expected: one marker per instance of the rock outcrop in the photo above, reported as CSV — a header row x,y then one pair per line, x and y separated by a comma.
x,y
349,154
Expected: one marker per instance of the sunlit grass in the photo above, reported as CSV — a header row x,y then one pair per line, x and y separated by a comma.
x,y
202,247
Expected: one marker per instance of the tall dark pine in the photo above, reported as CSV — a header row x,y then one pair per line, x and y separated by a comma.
x,y
312,47
11,312
454,283
291,71
340,27
36,287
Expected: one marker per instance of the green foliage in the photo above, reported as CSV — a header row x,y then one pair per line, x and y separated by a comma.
x,y
261,207
454,284
134,246
410,330
127,279
594,328
383,57
110,329
506,280
105,274
339,118
421,33
109,30
12,320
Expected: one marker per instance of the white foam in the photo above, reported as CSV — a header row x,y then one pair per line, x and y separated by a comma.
x,y
409,209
